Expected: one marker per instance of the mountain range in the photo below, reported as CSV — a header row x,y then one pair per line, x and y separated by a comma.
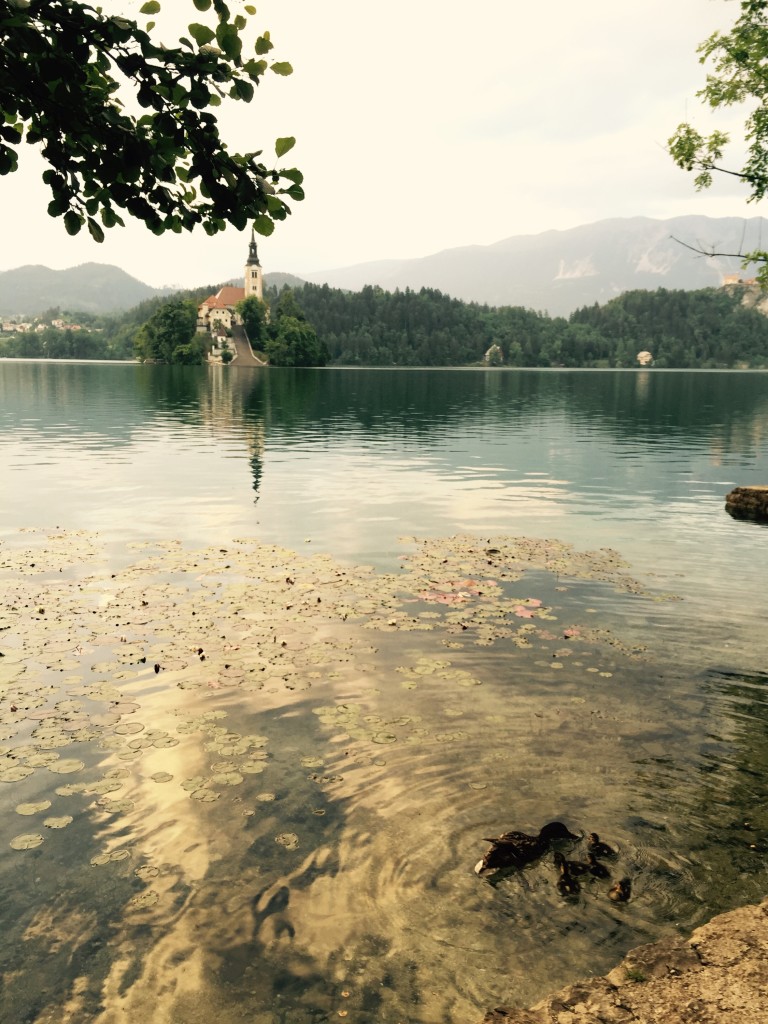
x,y
559,271
88,288
554,272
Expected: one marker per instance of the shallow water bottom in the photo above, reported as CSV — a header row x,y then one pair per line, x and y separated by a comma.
x,y
260,780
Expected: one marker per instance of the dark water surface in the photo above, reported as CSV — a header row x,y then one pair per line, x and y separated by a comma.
x,y
280,823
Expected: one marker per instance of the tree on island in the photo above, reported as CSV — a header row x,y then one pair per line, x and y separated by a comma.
x,y
64,66
170,335
292,339
254,314
739,77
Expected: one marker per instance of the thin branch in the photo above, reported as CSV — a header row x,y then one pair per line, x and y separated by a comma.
x,y
724,170
709,253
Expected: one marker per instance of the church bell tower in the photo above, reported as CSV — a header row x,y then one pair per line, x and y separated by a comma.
x,y
254,279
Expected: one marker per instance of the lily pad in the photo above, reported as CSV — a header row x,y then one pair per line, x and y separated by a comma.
x,y
144,900
66,766
33,808
15,773
288,839
227,779
60,822
384,737
205,796
28,841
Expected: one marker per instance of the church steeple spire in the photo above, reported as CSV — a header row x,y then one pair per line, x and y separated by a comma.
x,y
254,284
253,256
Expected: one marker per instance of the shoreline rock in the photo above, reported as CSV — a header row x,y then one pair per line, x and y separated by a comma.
x,y
748,502
717,976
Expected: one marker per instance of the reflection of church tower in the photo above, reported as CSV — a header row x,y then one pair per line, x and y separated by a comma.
x,y
254,284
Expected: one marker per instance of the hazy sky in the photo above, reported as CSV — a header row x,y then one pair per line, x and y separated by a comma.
x,y
428,124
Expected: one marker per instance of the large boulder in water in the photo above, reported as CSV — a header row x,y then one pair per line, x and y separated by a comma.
x,y
748,502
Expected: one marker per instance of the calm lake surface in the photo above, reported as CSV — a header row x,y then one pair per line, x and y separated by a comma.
x,y
280,648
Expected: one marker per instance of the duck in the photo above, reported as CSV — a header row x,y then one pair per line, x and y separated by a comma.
x,y
516,849
620,892
596,868
567,885
598,848
573,867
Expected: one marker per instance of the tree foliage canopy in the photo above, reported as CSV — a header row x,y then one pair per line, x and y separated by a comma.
x,y
69,73
292,340
738,58
253,312
707,328
169,336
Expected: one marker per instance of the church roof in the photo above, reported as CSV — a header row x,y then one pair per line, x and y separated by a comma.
x,y
224,297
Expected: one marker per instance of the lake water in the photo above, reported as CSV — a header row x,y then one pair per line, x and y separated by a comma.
x,y
281,647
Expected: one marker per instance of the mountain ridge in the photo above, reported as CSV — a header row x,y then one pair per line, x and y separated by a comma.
x,y
560,270
555,271
88,287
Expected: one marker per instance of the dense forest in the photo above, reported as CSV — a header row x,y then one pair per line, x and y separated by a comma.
x,y
711,328
708,328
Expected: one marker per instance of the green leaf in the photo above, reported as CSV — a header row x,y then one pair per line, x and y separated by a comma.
x,y
293,174
202,5
282,146
242,90
72,222
282,68
264,225
249,9
229,40
150,7
201,33
295,192
276,207
263,44
58,205
96,233
255,68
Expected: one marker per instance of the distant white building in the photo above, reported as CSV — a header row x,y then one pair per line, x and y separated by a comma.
x,y
644,358
494,356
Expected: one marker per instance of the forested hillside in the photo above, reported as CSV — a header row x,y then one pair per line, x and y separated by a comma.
x,y
711,328
707,328
95,336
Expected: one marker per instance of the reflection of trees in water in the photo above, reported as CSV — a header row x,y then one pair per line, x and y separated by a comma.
x,y
728,410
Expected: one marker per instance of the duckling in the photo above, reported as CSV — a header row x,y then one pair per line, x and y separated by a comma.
x,y
599,848
516,849
620,892
567,885
573,867
596,868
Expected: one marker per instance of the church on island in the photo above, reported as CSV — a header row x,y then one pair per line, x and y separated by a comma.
x,y
217,314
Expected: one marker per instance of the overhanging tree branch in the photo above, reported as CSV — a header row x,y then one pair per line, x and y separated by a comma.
x,y
739,58
63,68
